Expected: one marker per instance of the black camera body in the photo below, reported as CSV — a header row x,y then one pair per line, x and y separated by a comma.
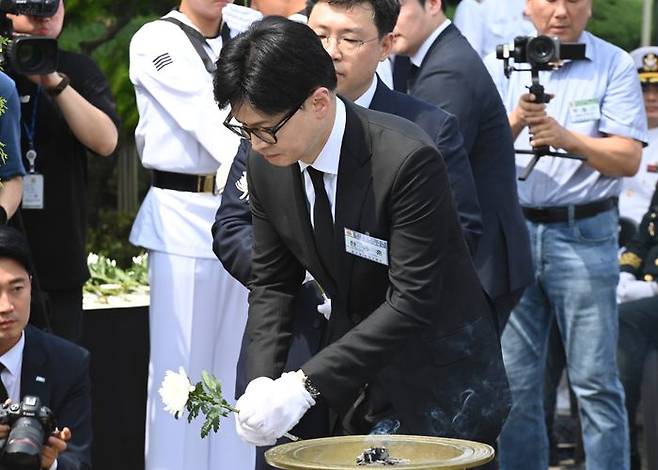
x,y
31,424
541,52
28,55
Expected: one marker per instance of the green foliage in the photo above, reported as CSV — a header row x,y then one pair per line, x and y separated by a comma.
x,y
107,279
103,29
207,398
109,238
618,21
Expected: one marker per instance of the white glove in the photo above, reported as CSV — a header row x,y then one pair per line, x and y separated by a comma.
x,y
325,308
624,279
268,410
239,18
245,404
635,290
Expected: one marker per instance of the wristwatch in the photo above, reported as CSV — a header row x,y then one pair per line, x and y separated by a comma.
x,y
57,89
308,385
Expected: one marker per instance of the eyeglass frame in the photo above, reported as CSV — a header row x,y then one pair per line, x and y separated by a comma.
x,y
246,132
338,40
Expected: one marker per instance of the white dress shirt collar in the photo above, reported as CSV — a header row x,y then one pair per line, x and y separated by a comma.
x,y
417,58
366,98
13,358
12,361
329,157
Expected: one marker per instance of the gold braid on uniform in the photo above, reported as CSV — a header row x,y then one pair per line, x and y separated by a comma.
x,y
630,259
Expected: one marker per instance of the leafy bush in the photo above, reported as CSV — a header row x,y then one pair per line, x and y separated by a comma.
x,y
109,238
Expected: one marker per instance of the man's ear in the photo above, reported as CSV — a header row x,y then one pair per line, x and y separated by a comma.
x,y
320,101
433,7
386,44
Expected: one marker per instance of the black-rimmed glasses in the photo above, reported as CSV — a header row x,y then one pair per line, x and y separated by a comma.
x,y
266,134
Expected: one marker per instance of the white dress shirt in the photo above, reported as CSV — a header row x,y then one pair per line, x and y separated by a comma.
x,y
366,98
327,162
417,58
12,361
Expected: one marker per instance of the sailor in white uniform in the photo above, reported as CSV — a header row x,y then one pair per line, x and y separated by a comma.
x,y
637,191
197,310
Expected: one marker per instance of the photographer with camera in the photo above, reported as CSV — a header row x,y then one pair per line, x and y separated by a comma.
x,y
38,369
570,207
65,114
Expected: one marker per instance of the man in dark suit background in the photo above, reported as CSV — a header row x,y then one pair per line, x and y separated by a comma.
x,y
41,364
362,201
447,72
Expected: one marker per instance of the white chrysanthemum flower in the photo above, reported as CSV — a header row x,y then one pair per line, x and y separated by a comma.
x,y
92,258
174,391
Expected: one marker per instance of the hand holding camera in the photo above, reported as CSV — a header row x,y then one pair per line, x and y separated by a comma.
x,y
29,439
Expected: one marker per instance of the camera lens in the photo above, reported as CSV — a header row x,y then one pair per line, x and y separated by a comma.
x,y
541,50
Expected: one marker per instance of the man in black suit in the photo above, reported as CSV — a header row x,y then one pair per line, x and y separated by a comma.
x,y
357,81
447,72
361,200
52,368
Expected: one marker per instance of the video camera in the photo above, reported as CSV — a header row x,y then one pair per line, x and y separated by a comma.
x,y
27,55
31,425
542,53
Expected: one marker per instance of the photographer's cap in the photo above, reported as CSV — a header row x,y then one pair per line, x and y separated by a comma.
x,y
646,62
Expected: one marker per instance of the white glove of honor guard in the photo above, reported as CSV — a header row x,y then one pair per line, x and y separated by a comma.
x,y
635,290
269,408
239,18
325,308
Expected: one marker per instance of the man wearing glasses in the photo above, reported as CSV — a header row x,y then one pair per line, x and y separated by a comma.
x,y
362,201
357,36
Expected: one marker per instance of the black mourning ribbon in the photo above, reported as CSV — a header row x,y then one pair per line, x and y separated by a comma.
x,y
323,222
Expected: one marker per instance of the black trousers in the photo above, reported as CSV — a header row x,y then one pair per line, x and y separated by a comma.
x,y
65,307
638,335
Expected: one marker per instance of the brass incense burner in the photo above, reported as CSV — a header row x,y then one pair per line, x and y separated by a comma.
x,y
413,453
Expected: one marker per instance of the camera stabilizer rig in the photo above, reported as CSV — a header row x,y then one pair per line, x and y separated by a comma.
x,y
542,53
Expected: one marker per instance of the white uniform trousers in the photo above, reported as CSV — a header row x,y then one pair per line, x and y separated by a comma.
x,y
197,316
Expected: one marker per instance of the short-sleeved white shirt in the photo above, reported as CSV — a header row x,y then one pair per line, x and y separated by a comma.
x,y
608,77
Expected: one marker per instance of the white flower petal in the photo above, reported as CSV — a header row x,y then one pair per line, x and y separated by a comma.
x,y
175,391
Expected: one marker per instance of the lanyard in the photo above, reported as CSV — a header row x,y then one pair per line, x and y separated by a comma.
x,y
30,130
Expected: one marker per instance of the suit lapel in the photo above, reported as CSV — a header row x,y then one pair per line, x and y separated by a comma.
x,y
304,227
34,377
354,178
450,30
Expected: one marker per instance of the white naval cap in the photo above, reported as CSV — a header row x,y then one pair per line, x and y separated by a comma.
x,y
646,63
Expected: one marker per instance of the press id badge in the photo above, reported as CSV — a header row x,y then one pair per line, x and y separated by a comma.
x,y
33,191
585,110
366,246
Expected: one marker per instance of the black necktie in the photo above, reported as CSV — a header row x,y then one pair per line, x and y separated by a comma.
x,y
3,391
323,222
400,73
413,74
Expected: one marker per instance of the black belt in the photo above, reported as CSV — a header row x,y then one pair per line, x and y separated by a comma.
x,y
184,182
548,215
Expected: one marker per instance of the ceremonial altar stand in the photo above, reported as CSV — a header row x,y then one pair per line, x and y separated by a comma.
x,y
117,336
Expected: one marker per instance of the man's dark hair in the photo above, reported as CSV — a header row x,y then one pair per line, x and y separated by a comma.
x,y
386,11
13,245
274,66
444,4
